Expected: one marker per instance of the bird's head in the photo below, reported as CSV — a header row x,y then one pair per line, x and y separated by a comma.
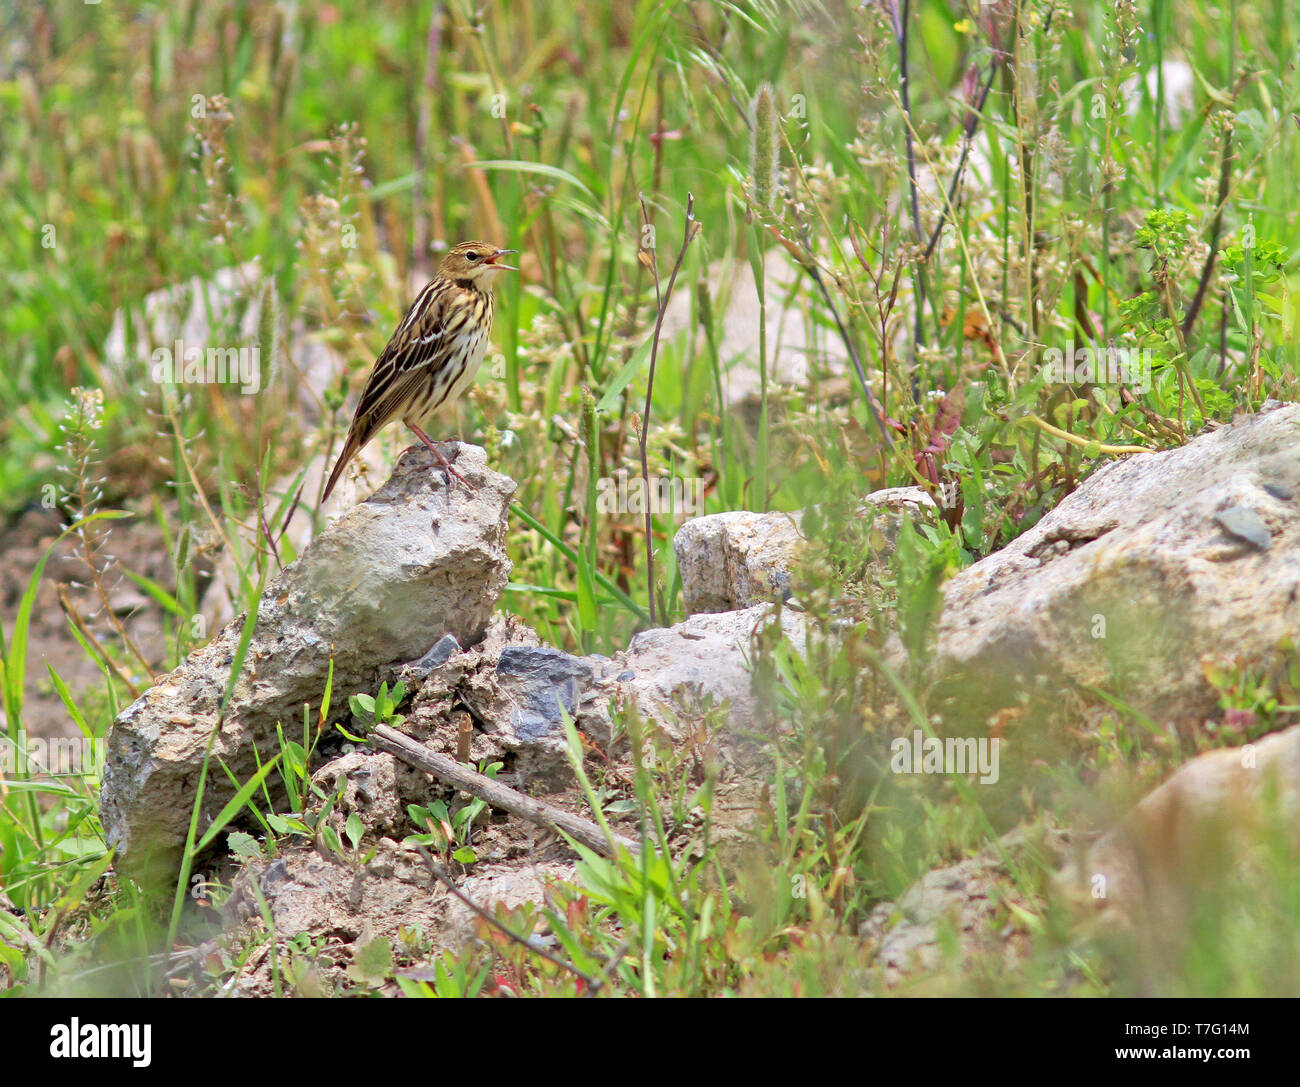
x,y
475,261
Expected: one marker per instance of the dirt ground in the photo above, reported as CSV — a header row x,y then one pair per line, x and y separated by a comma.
x,y
135,544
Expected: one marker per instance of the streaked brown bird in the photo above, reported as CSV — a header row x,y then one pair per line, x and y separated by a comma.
x,y
434,355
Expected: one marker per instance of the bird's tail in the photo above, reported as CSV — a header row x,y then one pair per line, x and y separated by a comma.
x,y
350,448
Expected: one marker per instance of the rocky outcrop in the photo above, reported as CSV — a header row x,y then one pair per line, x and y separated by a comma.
x,y
402,588
381,585
1155,562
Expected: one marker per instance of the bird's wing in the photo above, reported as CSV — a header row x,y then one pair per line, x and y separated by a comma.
x,y
402,366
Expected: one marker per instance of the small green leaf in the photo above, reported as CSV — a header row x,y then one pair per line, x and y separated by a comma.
x,y
373,962
244,846
356,829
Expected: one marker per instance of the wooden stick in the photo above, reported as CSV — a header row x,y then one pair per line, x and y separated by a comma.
x,y
449,771
594,985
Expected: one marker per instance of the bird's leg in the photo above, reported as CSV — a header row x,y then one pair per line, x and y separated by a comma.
x,y
442,461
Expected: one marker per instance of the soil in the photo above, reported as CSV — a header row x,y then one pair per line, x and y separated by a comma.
x,y
135,544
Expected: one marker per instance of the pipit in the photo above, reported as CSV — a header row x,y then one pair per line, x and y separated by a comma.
x,y
433,356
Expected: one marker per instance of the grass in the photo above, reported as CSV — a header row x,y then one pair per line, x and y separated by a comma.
x,y
1035,183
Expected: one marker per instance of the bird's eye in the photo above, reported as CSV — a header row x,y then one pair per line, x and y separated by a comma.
x,y
473,256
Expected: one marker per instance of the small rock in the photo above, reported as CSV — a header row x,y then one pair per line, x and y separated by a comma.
x,y
1244,523
436,657
519,705
735,560
732,560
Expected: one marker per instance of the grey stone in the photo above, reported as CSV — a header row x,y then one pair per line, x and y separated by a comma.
x,y
539,681
381,585
1244,523
436,657
706,657
1133,579
734,560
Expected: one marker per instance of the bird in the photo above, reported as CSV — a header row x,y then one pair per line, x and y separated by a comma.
x,y
434,354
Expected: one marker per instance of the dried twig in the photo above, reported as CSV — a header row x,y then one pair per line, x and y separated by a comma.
x,y
661,299
593,984
448,770
1216,228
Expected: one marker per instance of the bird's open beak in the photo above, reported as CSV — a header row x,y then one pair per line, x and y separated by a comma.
x,y
495,260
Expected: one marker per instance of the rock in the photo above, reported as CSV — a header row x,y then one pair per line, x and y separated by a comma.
x,y
513,688
518,704
970,896
543,682
436,657
381,585
1193,830
707,657
906,934
1152,564
732,560
490,887
889,508
735,560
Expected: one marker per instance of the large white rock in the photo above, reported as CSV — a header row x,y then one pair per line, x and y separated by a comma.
x,y
1155,562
